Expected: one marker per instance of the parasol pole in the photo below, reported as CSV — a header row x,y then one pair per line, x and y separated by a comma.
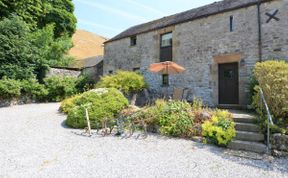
x,y
167,79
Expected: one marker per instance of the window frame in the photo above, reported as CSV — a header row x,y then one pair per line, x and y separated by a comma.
x,y
168,50
162,40
133,40
165,80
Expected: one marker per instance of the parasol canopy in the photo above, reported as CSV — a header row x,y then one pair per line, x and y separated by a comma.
x,y
167,67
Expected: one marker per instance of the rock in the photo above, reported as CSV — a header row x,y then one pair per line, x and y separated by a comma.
x,y
279,154
197,139
279,142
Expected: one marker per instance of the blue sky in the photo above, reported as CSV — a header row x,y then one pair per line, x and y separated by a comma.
x,y
110,17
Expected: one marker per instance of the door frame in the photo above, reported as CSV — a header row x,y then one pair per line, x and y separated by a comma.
x,y
238,82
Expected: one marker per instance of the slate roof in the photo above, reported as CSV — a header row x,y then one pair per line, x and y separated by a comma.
x,y
86,63
193,14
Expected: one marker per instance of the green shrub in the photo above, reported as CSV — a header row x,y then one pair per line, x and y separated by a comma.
x,y
175,119
9,89
85,83
68,104
197,104
170,118
273,79
32,90
124,81
220,129
103,106
60,87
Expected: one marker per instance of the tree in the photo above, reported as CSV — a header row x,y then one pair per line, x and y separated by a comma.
x,y
25,53
60,13
16,54
40,13
31,11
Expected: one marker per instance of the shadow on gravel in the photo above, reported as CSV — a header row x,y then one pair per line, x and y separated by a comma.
x,y
264,162
63,124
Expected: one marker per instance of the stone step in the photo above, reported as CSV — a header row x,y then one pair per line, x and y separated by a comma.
x,y
247,146
247,127
249,136
244,120
232,106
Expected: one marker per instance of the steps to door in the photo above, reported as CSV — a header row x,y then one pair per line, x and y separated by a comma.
x,y
248,136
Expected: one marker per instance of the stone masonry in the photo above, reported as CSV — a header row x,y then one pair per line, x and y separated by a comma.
x,y
200,45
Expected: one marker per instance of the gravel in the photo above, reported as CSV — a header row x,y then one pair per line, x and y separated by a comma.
x,y
34,142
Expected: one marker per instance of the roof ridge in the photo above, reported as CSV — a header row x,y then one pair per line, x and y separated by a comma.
x,y
186,16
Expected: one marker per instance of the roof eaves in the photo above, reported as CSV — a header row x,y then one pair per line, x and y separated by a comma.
x,y
184,21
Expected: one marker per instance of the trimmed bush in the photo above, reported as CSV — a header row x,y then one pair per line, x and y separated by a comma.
x,y
68,104
60,87
125,81
273,79
9,89
220,130
103,106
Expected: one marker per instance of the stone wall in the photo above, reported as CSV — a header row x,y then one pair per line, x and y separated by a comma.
x,y
197,44
279,144
94,73
63,72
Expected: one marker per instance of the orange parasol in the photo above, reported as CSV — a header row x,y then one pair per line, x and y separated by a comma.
x,y
167,67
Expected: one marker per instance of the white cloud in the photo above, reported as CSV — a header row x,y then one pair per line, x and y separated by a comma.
x,y
113,10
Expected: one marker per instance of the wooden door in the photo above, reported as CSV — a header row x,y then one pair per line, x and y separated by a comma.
x,y
228,83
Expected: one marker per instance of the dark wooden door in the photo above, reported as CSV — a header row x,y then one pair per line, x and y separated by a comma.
x,y
228,83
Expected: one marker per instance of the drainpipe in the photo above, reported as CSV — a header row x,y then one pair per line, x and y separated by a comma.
x,y
259,30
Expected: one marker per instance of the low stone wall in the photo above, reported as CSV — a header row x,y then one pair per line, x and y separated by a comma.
x,y
279,144
63,72
13,102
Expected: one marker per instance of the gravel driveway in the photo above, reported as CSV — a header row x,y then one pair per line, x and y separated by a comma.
x,y
34,143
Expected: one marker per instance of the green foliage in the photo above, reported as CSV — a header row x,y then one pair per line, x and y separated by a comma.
x,y
32,90
175,119
60,88
68,104
273,79
16,52
40,13
125,81
9,89
197,104
85,83
60,13
25,54
103,106
252,84
30,10
220,129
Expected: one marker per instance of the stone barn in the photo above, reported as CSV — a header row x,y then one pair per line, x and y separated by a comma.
x,y
218,44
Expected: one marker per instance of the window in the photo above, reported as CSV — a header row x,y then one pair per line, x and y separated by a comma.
x,y
133,41
166,40
136,69
166,46
231,23
165,80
